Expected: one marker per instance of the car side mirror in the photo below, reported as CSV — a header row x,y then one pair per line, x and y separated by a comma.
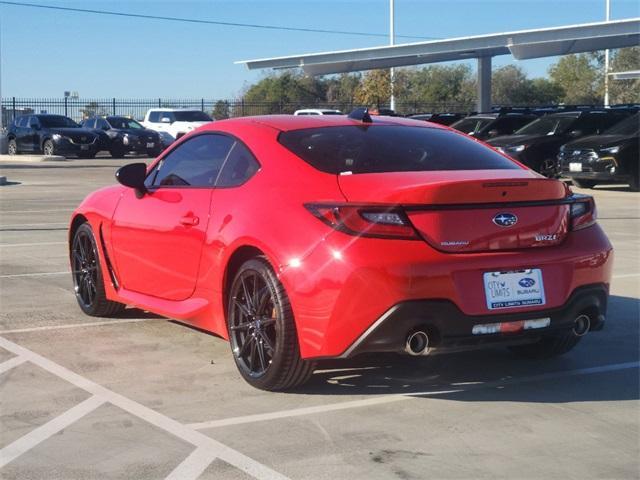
x,y
133,175
165,120
575,133
493,133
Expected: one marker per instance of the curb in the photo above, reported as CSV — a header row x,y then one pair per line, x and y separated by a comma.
x,y
31,158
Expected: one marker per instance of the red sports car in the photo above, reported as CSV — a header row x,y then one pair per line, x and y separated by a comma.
x,y
305,238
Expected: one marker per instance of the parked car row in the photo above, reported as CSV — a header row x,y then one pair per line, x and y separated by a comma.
x,y
118,135
589,145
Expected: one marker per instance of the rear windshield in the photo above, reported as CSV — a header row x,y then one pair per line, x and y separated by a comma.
x,y
471,125
194,116
630,126
398,148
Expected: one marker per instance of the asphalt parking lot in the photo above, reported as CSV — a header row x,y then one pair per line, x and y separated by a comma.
x,y
143,397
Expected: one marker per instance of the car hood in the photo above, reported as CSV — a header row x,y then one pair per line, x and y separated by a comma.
x,y
506,140
599,141
135,131
71,131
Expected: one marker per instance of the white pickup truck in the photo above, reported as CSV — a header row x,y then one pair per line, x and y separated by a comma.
x,y
172,123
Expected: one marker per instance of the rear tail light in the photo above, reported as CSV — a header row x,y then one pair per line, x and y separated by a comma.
x,y
364,221
583,212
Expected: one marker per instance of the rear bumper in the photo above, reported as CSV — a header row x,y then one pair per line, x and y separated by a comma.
x,y
344,285
449,329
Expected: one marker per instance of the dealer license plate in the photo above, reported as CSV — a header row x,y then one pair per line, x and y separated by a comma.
x,y
522,288
84,147
150,144
575,167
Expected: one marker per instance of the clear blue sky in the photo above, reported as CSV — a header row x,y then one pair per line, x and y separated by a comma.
x,y
46,52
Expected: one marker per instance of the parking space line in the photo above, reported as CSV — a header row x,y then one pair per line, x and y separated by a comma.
x,y
193,466
261,417
77,325
6,245
41,433
70,209
627,275
189,435
37,274
17,225
11,363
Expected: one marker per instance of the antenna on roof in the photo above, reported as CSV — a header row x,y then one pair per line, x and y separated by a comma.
x,y
361,114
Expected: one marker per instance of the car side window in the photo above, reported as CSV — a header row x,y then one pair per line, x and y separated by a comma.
x,y
194,163
91,123
33,122
240,166
102,124
154,117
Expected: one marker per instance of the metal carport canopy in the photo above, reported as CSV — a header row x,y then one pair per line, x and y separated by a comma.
x,y
524,44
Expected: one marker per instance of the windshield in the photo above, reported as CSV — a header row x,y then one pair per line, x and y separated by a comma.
x,y
371,149
630,126
471,125
57,121
121,122
550,125
191,116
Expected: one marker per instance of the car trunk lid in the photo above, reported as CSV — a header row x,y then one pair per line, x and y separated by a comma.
x,y
470,211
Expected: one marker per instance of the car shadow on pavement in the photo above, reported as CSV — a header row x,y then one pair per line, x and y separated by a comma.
x,y
599,369
136,313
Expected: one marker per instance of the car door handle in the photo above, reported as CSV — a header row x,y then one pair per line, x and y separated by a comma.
x,y
190,220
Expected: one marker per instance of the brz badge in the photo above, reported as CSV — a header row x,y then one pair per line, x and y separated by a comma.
x,y
546,238
505,219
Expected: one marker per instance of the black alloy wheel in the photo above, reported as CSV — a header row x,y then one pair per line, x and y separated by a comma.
x,y
88,282
262,330
85,268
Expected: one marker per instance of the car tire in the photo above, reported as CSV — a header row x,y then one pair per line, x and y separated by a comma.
x,y
12,147
549,168
262,330
88,279
583,183
634,182
117,152
48,148
548,346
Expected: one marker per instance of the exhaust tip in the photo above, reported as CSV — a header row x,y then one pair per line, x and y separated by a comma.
x,y
582,325
417,343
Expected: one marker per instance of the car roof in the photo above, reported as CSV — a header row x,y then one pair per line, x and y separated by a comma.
x,y
317,110
180,109
296,122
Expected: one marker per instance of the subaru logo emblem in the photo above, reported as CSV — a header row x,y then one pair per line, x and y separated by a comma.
x,y
526,282
505,219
